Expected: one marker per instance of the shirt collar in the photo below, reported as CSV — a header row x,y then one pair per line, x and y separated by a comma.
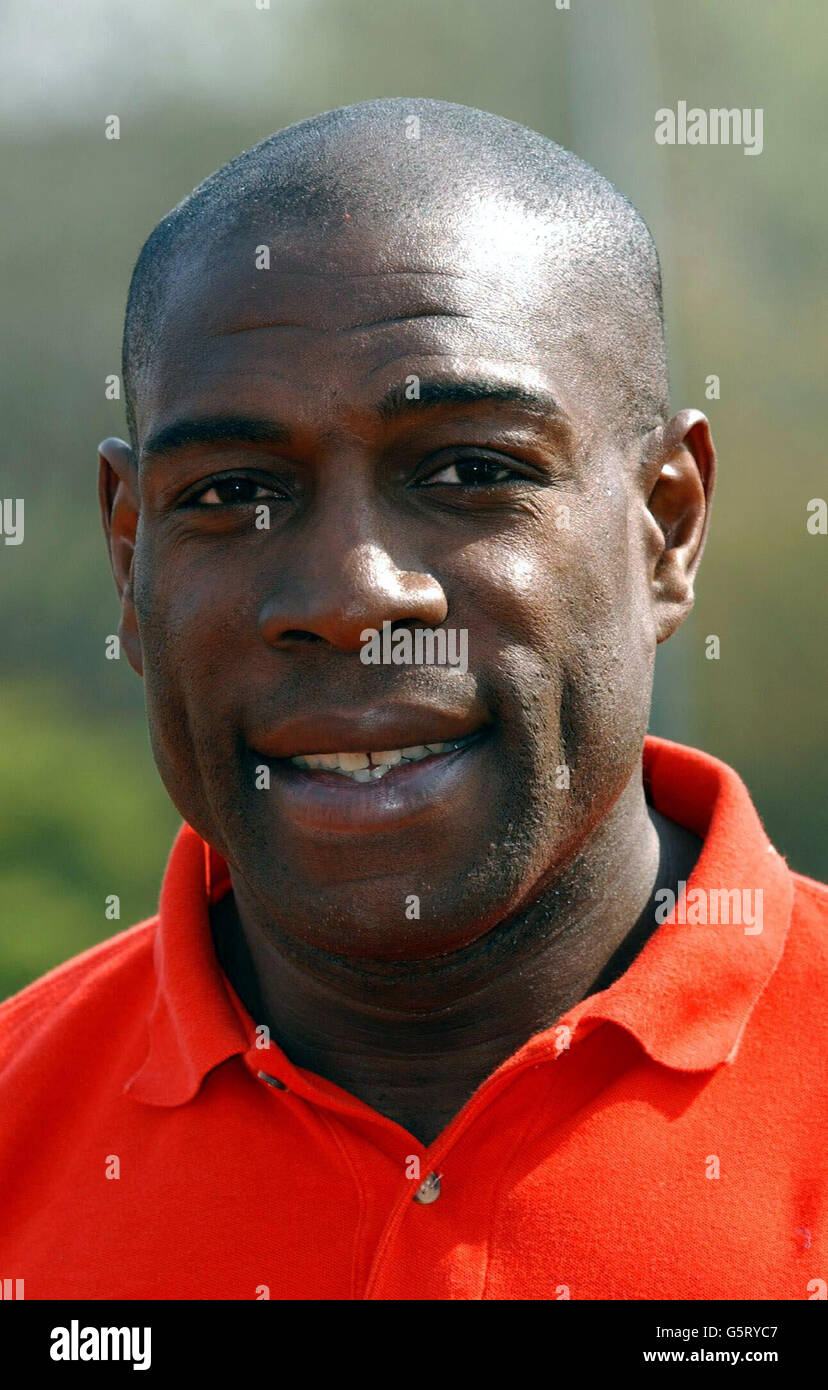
x,y
197,1020
686,997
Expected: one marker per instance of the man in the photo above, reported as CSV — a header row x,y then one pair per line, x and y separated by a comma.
x,y
458,989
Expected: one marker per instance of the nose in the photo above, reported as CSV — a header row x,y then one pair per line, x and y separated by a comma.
x,y
340,585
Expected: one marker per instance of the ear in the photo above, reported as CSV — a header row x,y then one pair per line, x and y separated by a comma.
x,y
679,473
118,497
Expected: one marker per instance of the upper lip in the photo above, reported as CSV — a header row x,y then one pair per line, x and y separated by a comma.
x,y
361,731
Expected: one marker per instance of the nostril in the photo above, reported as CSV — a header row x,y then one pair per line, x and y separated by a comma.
x,y
300,634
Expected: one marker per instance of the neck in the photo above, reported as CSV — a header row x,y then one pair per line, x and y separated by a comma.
x,y
415,1039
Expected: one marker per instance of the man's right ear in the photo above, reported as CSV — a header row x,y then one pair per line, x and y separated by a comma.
x,y
118,497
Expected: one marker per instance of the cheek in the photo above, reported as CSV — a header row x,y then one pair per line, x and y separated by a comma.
x,y
607,659
565,607
516,586
191,614
556,589
187,655
185,624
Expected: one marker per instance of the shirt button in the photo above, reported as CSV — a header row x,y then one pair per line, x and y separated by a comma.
x,y
429,1189
273,1081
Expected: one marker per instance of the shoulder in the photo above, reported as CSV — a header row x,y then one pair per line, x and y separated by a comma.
x,y
810,908
99,984
803,972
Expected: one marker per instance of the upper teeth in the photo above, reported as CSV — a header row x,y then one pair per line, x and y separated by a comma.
x,y
370,766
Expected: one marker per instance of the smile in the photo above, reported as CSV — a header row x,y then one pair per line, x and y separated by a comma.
x,y
376,769
374,764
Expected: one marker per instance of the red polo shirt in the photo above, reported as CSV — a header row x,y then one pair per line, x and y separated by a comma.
x,y
662,1140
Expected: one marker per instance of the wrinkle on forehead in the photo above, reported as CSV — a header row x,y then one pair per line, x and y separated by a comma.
x,y
460,264
487,277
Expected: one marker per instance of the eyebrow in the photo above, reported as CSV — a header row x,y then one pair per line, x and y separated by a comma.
x,y
250,429
214,429
450,391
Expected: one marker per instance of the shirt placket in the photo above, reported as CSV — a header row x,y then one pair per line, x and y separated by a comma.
x,y
413,1184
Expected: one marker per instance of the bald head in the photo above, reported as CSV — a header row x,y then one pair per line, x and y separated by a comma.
x,y
427,170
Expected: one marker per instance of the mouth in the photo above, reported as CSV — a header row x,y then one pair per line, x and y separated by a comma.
x,y
372,765
376,788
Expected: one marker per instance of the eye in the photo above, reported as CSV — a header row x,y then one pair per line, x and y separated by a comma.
x,y
234,489
472,472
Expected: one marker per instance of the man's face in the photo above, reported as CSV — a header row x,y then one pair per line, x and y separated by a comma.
x,y
436,446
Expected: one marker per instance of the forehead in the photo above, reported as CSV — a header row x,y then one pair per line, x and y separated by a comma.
x,y
325,323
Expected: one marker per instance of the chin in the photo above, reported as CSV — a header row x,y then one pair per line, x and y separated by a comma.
x,y
398,917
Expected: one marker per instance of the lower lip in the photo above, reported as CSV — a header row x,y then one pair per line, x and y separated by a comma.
x,y
327,801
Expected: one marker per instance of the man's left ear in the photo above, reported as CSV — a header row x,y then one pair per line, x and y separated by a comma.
x,y
680,474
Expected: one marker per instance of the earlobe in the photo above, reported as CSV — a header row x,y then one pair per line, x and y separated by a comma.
x,y
120,506
128,632
682,477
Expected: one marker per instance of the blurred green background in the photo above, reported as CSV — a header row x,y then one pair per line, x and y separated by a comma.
x,y
82,811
